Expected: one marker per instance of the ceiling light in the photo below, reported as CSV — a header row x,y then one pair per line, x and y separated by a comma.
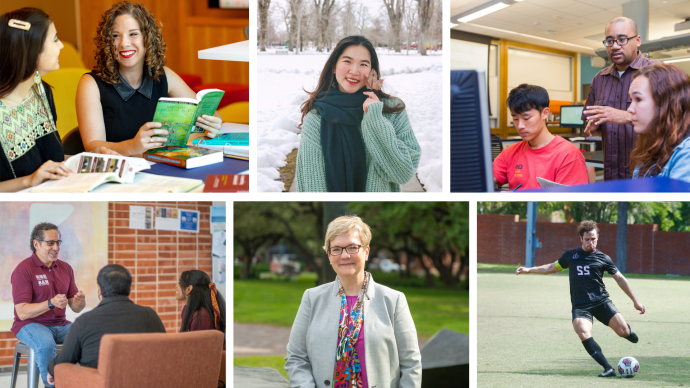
x,y
483,12
677,60
532,36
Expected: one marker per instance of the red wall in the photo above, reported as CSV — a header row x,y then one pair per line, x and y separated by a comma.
x,y
155,259
502,240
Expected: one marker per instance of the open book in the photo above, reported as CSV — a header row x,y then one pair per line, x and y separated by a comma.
x,y
547,183
92,170
178,115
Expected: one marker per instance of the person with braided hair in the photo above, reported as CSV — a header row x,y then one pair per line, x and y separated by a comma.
x,y
204,307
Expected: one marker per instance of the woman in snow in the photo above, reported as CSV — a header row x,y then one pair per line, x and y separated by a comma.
x,y
355,137
660,111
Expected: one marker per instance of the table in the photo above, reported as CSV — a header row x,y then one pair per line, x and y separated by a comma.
x,y
230,52
229,165
644,185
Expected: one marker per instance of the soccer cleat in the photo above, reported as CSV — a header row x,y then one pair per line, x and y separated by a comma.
x,y
608,373
632,337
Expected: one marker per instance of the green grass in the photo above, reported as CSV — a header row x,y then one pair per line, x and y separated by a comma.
x,y
490,267
525,335
276,303
273,362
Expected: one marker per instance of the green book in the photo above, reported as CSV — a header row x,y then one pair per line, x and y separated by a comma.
x,y
178,115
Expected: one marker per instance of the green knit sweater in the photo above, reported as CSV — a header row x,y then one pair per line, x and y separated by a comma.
x,y
392,151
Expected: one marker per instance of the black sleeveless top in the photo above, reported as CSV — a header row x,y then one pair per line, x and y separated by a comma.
x,y
126,109
29,139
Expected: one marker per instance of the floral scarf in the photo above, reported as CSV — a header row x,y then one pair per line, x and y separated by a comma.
x,y
347,373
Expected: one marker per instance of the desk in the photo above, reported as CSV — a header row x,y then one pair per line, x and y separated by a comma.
x,y
230,52
644,185
594,159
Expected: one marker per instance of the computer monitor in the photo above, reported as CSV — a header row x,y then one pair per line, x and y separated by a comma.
x,y
470,133
571,116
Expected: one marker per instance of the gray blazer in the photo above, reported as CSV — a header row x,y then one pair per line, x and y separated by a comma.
x,y
390,339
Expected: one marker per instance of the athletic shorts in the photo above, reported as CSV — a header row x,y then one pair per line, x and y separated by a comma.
x,y
603,312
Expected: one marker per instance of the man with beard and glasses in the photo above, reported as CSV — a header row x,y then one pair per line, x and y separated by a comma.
x,y
42,288
588,294
608,100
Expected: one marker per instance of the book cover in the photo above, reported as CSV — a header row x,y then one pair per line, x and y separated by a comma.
x,y
209,99
231,138
184,157
234,183
176,117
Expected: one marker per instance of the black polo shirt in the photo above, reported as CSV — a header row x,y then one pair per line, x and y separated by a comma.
x,y
114,315
586,270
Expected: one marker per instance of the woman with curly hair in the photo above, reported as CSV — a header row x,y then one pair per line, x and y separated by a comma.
x,y
660,111
32,151
355,137
117,100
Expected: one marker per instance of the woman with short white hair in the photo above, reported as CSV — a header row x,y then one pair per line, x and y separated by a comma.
x,y
353,332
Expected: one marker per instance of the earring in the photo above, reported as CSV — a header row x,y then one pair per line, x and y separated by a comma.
x,y
334,84
37,78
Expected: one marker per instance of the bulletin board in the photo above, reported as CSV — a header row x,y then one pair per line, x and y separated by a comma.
x,y
84,233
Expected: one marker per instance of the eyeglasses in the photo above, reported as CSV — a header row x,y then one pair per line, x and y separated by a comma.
x,y
337,251
621,41
52,242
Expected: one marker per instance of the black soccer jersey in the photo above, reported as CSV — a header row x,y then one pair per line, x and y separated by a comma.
x,y
586,269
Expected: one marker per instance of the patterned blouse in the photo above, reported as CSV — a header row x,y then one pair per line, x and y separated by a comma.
x,y
29,135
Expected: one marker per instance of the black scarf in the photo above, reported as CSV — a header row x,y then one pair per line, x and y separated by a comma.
x,y
341,141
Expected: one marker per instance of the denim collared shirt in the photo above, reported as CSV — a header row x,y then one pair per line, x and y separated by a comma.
x,y
678,167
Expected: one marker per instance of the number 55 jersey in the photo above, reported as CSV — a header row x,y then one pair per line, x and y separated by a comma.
x,y
586,270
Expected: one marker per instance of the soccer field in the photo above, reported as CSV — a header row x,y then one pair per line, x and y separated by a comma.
x,y
525,337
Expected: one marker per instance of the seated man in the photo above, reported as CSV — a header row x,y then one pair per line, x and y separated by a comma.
x,y
42,288
540,154
116,314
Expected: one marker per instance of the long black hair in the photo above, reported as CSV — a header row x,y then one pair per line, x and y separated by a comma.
x,y
328,74
203,295
20,49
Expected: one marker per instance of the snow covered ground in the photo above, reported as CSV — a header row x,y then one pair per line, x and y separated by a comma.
x,y
282,78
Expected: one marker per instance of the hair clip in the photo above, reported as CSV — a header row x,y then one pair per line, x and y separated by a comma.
x,y
19,24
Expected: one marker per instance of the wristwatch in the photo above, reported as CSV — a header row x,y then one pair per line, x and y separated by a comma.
x,y
50,305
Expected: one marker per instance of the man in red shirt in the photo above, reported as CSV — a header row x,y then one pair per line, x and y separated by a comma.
x,y
42,288
540,154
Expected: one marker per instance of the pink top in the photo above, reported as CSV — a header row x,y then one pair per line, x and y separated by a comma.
x,y
359,345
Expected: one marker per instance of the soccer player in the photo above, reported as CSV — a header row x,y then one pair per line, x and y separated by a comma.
x,y
588,294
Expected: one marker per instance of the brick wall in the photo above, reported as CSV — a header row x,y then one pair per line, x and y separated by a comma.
x,y
154,257
500,239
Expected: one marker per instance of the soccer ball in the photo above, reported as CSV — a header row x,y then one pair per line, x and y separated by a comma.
x,y
628,367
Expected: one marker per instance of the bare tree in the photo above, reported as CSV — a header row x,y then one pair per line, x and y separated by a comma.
x,y
324,9
396,10
361,17
425,10
263,15
410,20
296,16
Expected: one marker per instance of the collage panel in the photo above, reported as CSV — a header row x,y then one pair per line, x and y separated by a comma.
x,y
105,294
624,265
569,96
377,291
350,96
124,97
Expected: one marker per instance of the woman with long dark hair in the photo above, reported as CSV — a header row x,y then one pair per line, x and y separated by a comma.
x,y
204,307
660,111
32,151
355,137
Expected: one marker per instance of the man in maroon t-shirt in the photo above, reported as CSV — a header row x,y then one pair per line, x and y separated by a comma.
x,y
42,288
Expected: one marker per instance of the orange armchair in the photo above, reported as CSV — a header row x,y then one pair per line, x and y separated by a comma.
x,y
191,359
